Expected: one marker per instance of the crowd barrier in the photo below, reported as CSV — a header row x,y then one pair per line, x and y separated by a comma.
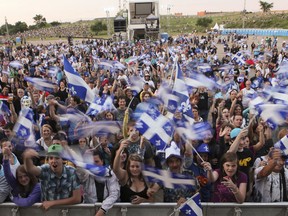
x,y
260,32
148,209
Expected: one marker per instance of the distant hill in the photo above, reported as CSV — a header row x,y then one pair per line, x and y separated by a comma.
x,y
179,24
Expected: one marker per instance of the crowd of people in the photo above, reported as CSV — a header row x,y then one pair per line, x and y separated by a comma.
x,y
235,161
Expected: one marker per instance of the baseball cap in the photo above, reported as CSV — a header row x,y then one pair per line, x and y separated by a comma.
x,y
173,150
234,133
55,150
203,148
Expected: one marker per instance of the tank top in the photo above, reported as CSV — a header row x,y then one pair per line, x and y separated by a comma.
x,y
127,195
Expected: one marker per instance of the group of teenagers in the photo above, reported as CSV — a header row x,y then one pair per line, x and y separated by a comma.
x,y
234,162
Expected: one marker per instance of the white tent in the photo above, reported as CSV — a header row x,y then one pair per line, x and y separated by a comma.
x,y
216,27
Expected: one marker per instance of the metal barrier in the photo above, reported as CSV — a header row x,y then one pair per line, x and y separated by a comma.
x,y
151,209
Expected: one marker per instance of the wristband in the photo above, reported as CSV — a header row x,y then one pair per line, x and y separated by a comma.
x,y
103,210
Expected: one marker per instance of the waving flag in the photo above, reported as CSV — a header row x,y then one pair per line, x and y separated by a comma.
x,y
24,127
16,64
155,127
99,127
192,206
196,131
273,114
239,58
169,100
41,84
99,105
76,84
168,179
283,144
204,68
199,80
4,108
181,91
136,85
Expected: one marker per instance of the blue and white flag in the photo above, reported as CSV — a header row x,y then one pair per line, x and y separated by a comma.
x,y
181,91
155,127
16,64
4,108
239,58
24,127
100,104
169,179
41,84
283,145
192,207
199,80
76,84
196,131
170,101
99,127
204,68
136,85
273,114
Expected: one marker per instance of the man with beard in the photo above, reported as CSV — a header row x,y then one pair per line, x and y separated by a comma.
x,y
59,183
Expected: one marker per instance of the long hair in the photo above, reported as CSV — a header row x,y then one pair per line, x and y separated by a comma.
x,y
23,191
229,157
133,157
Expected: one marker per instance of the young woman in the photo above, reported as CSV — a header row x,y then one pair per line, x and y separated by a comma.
x,y
229,183
46,139
133,186
25,187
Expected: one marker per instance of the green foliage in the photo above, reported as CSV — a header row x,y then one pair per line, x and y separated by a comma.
x,y
55,23
265,6
204,21
98,26
40,21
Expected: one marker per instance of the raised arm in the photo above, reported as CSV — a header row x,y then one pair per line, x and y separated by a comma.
x,y
117,169
28,162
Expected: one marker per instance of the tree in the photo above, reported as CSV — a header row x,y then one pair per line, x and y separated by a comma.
x,y
20,27
265,6
204,22
55,23
39,20
98,26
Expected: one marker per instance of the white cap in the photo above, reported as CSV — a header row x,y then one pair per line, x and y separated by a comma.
x,y
173,150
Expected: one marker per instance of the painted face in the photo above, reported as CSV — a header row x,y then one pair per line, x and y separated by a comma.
x,y
23,179
26,101
230,168
135,168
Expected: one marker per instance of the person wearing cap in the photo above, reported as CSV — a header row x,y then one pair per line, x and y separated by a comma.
x,y
200,173
271,179
245,155
59,183
175,164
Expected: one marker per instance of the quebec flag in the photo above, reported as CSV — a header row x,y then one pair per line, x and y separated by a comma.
x,y
283,145
24,127
76,84
192,206
41,84
181,91
155,127
99,105
239,58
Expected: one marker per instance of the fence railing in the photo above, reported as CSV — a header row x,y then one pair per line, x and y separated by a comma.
x,y
151,209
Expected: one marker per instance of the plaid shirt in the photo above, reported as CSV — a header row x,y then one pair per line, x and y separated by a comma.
x,y
55,188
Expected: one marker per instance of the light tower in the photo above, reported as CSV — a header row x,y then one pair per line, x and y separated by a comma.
x,y
6,24
107,11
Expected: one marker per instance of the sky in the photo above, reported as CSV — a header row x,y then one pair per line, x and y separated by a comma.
x,y
72,10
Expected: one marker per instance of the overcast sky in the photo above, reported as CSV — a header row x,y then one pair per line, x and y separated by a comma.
x,y
72,10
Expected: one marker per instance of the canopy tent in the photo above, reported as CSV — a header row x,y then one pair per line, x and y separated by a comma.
x,y
216,27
